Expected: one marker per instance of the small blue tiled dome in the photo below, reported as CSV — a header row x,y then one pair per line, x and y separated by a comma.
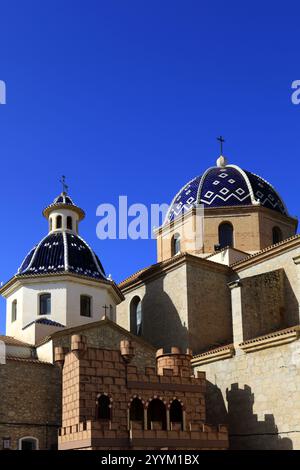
x,y
226,185
63,198
62,252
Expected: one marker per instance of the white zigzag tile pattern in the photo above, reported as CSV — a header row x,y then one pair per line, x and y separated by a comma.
x,y
227,186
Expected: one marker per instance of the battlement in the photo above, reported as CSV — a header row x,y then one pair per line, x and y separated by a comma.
x,y
109,402
201,437
127,350
174,363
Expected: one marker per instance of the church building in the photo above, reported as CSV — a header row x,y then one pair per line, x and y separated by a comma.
x,y
199,350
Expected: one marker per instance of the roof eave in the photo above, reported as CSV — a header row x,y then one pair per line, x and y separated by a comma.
x,y
156,269
80,212
16,281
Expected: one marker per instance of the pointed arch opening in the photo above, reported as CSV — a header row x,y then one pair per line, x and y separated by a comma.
x,y
103,408
136,412
176,415
157,415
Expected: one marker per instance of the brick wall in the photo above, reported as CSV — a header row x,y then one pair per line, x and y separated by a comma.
x,y
90,373
252,226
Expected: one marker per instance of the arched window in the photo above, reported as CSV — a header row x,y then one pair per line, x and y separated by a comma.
x,y
157,417
14,307
45,304
69,222
104,408
136,316
225,235
50,224
277,235
58,221
176,414
85,306
136,412
176,244
28,443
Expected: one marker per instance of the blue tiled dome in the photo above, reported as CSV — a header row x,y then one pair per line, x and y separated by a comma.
x,y
63,198
223,186
62,252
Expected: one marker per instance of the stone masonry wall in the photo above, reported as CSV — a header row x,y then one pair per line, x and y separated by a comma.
x,y
263,304
30,402
164,303
109,338
291,280
257,394
209,307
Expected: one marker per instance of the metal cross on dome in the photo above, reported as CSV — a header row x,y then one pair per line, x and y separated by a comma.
x,y
65,187
221,140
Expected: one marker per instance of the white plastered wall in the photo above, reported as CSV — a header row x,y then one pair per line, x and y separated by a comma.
x,y
65,304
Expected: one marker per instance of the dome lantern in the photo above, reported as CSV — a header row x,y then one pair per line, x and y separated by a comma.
x,y
62,250
63,214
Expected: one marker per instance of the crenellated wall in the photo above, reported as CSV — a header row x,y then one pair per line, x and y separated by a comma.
x,y
93,374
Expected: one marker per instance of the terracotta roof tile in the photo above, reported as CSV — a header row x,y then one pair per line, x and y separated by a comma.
x,y
10,341
27,359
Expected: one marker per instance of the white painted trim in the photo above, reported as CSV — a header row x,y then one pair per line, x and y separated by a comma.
x,y
66,252
249,186
202,182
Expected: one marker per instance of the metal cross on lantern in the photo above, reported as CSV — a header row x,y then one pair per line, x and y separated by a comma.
x,y
65,187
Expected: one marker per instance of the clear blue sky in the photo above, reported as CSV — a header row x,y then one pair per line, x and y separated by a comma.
x,y
127,97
